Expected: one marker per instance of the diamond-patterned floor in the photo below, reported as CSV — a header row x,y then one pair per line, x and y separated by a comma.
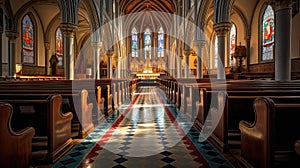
x,y
147,132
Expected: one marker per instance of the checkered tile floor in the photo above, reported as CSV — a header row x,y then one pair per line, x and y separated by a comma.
x,y
146,133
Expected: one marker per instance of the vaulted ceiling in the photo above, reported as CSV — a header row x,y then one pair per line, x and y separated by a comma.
x,y
132,6
151,14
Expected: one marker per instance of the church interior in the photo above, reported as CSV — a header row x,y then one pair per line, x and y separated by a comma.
x,y
150,83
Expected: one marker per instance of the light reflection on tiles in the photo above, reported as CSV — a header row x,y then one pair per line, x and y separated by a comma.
x,y
152,134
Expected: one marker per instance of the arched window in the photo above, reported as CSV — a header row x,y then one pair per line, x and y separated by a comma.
x,y
134,43
148,43
27,40
268,34
59,46
232,43
216,55
161,42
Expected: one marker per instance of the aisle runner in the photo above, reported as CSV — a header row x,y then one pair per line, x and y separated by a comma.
x,y
146,133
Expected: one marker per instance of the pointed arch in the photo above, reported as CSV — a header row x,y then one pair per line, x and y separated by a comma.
x,y
134,43
161,42
28,40
268,34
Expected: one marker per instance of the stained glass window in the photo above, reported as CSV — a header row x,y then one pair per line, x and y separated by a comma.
x,y
216,54
134,42
27,40
161,42
232,43
148,43
59,47
268,34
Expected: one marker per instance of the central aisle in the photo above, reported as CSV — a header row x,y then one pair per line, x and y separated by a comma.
x,y
145,133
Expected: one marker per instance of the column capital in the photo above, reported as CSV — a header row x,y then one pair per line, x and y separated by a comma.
x,y
281,4
96,45
199,43
12,35
68,28
187,52
47,45
222,28
110,53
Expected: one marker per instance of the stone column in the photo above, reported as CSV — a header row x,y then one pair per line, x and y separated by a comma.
x,y
248,40
222,30
96,69
12,36
199,47
68,31
141,45
283,36
154,46
1,32
187,63
119,67
48,55
109,64
179,62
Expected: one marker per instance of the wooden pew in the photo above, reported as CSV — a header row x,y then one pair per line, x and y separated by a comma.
x,y
15,146
231,114
274,129
65,86
75,101
46,117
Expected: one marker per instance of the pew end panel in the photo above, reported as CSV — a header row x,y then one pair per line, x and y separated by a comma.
x,y
59,134
15,147
252,134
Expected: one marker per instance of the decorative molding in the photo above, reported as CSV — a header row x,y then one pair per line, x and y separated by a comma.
x,y
96,45
222,28
68,29
187,52
12,35
199,43
47,45
281,4
110,53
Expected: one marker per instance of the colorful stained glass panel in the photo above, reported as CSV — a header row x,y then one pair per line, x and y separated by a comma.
x,y
148,43
27,40
268,36
161,43
59,47
232,43
134,42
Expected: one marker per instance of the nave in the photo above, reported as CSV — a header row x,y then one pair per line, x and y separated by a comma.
x,y
146,132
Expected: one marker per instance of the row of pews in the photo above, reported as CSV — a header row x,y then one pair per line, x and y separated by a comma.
x,y
41,119
258,117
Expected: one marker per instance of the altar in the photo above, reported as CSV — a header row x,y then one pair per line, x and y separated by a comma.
x,y
147,73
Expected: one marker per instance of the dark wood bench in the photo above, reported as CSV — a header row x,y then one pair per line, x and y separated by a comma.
x,y
75,101
46,117
274,129
15,146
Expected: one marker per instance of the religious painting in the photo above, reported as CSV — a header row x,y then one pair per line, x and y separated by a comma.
x,y
161,42
27,40
268,36
148,43
134,42
232,43
59,47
